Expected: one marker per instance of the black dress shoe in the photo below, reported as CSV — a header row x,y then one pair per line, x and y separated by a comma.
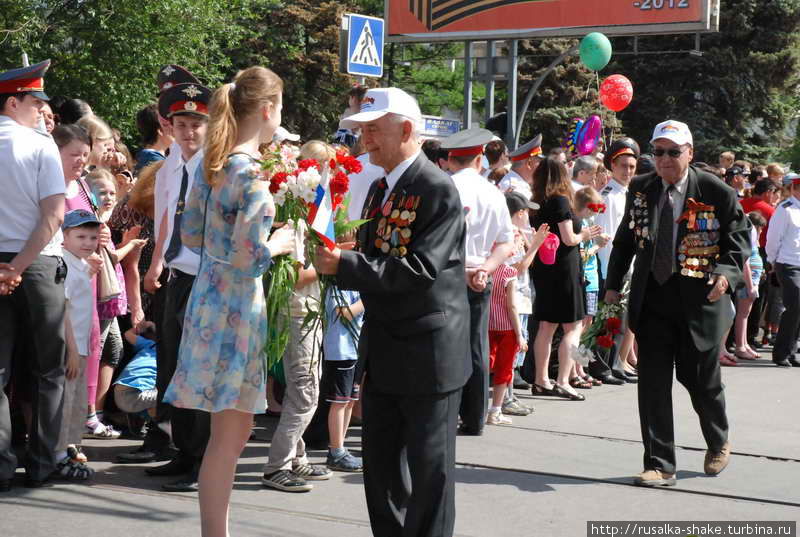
x,y
187,483
611,379
463,430
5,485
177,466
32,483
795,362
782,363
144,454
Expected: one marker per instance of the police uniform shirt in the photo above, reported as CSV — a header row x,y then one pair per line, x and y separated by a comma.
x,y
488,220
783,235
30,171
514,181
187,261
163,176
614,195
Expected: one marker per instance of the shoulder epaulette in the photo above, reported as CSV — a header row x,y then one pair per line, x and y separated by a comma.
x,y
606,190
786,204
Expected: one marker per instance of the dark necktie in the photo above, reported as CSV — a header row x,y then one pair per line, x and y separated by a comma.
x,y
375,202
175,243
665,249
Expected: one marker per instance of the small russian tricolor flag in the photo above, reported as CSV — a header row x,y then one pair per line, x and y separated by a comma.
x,y
320,215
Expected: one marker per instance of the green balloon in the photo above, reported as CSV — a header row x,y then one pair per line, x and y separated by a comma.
x,y
595,51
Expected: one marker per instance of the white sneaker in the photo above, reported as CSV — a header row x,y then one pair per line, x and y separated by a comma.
x,y
497,418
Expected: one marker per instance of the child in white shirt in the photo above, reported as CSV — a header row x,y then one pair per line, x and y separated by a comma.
x,y
81,230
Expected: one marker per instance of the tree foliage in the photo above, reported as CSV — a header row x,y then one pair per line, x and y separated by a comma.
x,y
739,95
108,52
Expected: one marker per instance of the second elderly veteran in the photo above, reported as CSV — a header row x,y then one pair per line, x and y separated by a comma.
x,y
691,239
409,269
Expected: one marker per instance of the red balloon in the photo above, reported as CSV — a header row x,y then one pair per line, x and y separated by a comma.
x,y
616,92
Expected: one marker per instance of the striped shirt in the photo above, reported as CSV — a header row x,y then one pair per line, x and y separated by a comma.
x,y
499,319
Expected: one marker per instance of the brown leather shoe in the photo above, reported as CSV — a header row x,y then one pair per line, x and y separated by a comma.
x,y
716,462
654,478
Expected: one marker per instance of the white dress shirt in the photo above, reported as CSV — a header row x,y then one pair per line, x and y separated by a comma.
x,y
783,235
78,292
187,261
160,190
488,219
393,176
359,185
614,197
30,171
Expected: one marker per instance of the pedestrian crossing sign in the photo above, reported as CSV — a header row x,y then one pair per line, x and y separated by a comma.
x,y
364,45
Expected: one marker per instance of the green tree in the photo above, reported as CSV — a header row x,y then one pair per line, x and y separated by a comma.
x,y
108,52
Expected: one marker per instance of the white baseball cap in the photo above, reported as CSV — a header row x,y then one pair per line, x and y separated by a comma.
x,y
674,131
381,101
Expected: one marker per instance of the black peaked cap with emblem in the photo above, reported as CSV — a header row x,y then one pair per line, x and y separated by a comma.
x,y
184,99
623,146
172,75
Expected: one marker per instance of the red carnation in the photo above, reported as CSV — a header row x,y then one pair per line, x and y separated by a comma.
x,y
305,164
605,341
613,325
340,184
350,164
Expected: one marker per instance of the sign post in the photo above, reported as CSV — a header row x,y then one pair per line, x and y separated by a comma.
x,y
364,45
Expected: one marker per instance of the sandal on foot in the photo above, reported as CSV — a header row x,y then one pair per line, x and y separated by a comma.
x,y
594,381
101,432
564,392
580,383
744,355
542,391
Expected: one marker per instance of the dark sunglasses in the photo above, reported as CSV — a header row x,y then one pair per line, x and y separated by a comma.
x,y
674,153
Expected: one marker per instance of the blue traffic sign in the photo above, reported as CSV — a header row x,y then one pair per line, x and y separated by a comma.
x,y
365,46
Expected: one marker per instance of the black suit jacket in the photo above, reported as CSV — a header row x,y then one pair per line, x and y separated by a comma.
x,y
707,321
415,338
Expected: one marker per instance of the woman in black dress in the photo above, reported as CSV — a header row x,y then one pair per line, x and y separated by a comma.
x,y
559,287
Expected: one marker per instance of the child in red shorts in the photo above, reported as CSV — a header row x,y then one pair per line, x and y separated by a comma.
x,y
505,338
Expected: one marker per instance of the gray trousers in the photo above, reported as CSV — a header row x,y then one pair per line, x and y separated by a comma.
x,y
301,366
132,400
786,340
76,402
32,318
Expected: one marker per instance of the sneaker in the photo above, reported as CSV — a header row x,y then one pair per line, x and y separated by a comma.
x,y
286,481
497,418
101,432
513,408
345,463
312,472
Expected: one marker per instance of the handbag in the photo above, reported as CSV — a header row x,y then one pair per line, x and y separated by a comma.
x,y
107,283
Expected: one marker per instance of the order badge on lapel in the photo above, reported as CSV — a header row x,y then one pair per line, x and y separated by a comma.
x,y
699,249
394,228
640,219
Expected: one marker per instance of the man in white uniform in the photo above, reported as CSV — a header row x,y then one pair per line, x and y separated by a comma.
x,y
621,159
489,242
524,161
783,252
32,316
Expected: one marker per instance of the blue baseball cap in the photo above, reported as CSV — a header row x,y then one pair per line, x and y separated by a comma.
x,y
79,217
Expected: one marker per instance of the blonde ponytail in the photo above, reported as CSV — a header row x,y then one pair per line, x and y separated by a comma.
x,y
250,90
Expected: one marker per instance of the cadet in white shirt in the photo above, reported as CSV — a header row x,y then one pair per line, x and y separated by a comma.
x,y
186,106
524,161
621,159
489,242
32,317
783,252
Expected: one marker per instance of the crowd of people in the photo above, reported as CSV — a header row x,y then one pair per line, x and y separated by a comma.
x,y
132,295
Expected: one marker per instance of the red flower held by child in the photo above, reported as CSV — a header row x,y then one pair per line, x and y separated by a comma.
x,y
276,180
605,341
614,325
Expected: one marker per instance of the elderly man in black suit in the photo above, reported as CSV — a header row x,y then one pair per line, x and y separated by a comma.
x,y
409,268
690,239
